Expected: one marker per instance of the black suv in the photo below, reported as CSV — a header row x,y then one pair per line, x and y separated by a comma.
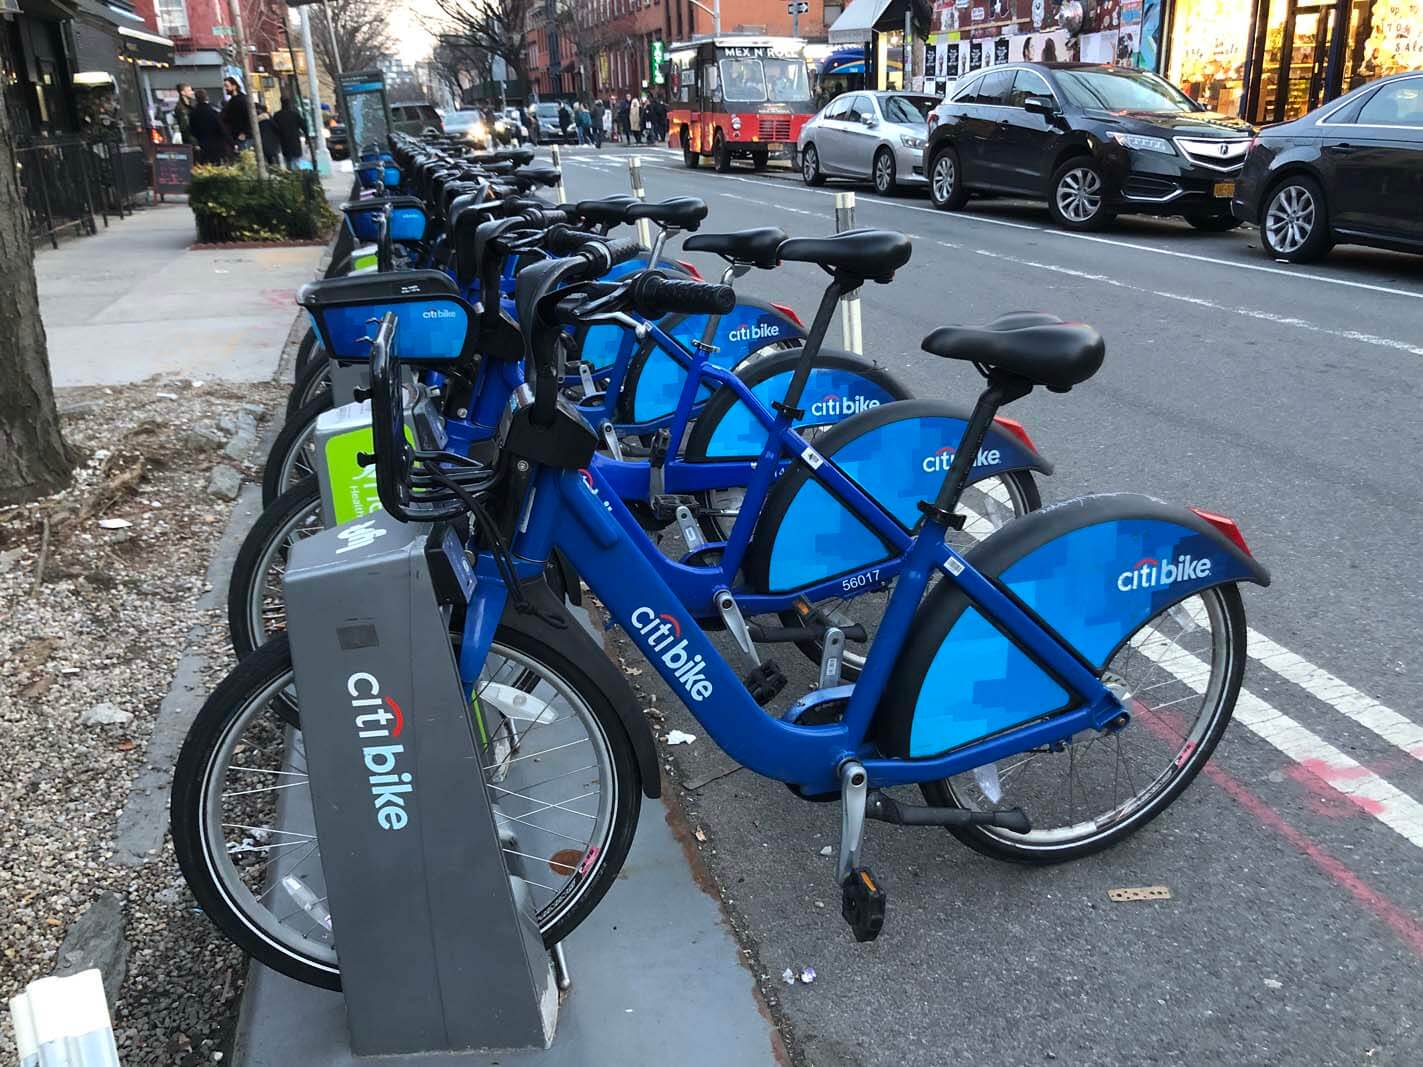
x,y
1093,141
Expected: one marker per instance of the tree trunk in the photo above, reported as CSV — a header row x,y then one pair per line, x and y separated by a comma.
x,y
32,457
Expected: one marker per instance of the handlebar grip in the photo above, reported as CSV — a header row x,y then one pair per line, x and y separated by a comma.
x,y
564,240
654,295
623,249
546,216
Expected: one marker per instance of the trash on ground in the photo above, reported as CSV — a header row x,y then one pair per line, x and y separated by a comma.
x,y
114,524
826,851
679,737
808,975
699,834
788,976
1141,892
1274,983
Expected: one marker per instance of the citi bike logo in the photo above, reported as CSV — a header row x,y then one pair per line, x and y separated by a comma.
x,y
438,313
663,634
755,332
358,535
830,404
379,718
588,481
943,458
1151,573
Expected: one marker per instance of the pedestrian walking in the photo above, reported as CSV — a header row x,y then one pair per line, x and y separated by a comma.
x,y
624,129
235,118
635,119
565,118
267,135
209,134
290,129
584,118
607,125
595,122
535,134
183,113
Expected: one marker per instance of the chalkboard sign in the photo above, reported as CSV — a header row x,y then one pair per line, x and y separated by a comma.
x,y
172,168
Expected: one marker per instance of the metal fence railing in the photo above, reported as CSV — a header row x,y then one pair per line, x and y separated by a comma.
x,y
67,182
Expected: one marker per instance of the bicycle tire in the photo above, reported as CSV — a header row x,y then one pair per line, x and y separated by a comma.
x,y
311,380
303,350
277,473
276,523
1014,848
271,666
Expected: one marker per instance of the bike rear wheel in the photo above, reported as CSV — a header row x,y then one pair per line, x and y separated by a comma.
x,y
1179,676
293,454
564,783
256,601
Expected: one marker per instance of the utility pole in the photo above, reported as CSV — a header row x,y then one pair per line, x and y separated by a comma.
x,y
796,8
240,39
714,11
320,155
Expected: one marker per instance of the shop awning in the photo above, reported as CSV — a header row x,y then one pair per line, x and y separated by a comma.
x,y
146,49
857,22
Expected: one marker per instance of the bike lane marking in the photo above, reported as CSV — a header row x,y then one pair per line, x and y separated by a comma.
x,y
1113,241
1343,774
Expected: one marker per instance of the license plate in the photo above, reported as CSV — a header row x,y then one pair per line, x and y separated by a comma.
x,y
1224,189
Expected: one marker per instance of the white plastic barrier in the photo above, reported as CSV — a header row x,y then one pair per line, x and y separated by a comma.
x,y
64,1022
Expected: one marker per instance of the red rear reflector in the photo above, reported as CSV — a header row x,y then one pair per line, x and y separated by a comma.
x,y
1015,427
790,314
696,274
1227,527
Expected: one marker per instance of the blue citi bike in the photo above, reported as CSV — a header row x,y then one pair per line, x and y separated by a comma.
x,y
1050,690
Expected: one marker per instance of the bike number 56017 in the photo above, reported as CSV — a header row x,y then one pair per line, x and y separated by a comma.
x,y
859,581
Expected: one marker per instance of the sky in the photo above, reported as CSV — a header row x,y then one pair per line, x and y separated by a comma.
x,y
413,41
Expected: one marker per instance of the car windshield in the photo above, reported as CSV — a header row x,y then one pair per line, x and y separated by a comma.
x,y
546,110
753,81
1122,90
458,120
909,109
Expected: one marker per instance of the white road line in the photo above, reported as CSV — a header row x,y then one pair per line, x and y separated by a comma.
x,y
774,207
1113,241
1213,305
1338,694
1361,786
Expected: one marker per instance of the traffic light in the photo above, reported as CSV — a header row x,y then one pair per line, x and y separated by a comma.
x,y
656,57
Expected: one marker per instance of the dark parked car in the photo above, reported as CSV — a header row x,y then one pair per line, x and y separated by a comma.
x,y
337,142
415,118
1093,141
1349,172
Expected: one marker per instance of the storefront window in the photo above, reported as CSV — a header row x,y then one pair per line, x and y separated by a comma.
x,y
1208,52
1387,39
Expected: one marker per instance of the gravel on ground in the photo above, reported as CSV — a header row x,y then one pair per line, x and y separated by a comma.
x,y
100,587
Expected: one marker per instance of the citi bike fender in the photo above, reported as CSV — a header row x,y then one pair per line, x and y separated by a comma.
x,y
902,451
841,384
654,378
1094,570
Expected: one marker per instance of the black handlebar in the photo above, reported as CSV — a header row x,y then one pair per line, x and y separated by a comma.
x,y
564,240
653,295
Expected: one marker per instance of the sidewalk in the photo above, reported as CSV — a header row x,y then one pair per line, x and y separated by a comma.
x,y
134,301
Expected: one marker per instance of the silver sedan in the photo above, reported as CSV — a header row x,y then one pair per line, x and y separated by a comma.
x,y
874,135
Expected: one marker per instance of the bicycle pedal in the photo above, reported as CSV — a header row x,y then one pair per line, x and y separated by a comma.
x,y
664,507
862,904
765,682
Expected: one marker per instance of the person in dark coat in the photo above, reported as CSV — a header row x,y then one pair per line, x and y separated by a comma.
x,y
235,116
597,116
267,131
290,129
209,134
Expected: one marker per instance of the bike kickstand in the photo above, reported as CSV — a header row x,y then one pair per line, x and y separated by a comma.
x,y
560,968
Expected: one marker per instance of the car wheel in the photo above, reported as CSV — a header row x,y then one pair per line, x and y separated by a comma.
x,y
946,188
691,159
1213,221
1079,196
810,166
721,155
883,172
1295,222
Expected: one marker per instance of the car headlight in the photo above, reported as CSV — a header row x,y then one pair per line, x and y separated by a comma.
x,y
476,132
736,122
908,140
1142,142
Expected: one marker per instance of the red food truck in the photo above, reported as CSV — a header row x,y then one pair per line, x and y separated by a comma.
x,y
737,97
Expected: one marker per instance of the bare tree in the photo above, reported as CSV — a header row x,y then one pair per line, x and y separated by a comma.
x,y
33,461
362,32
460,64
493,26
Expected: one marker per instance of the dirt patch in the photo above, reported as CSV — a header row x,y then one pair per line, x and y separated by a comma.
x,y
99,590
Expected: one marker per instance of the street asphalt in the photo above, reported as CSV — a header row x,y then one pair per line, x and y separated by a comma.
x,y
1285,397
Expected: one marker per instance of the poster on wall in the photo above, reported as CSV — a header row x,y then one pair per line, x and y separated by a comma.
x,y
1098,47
1039,47
975,55
931,59
1000,50
1148,38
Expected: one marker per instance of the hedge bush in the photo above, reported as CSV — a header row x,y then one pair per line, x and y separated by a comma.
x,y
230,204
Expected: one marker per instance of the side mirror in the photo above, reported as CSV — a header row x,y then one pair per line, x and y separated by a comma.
x,y
1040,105
869,121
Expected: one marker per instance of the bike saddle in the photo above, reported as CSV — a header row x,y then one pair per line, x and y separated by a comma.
x,y
680,212
520,157
873,254
756,246
538,175
1057,355
497,166
609,211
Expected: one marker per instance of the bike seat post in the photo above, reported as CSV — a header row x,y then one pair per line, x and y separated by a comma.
x,y
819,326
1002,389
658,243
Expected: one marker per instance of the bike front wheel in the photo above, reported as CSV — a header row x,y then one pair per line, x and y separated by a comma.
x,y
1178,676
560,771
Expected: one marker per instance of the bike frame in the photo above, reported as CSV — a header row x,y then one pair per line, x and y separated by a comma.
x,y
561,511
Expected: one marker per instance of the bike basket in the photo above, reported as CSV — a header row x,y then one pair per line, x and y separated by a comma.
x,y
406,221
436,326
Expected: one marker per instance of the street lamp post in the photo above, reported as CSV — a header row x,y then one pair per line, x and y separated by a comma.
x,y
240,39
715,12
321,155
